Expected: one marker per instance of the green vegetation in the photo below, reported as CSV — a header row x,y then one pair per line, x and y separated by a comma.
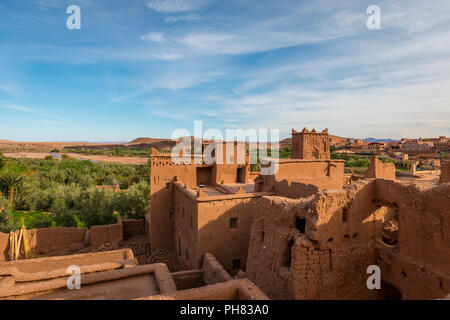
x,y
116,152
352,160
78,193
284,153
358,161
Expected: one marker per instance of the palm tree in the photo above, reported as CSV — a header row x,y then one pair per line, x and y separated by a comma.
x,y
12,182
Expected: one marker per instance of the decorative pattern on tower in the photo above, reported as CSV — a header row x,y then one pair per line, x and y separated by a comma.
x,y
310,144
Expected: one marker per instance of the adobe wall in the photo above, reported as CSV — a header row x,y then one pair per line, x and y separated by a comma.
x,y
213,271
378,169
185,231
47,267
100,235
445,172
272,230
242,289
188,279
4,246
214,219
47,240
321,246
302,178
322,257
419,265
133,227
109,280
228,173
61,240
164,171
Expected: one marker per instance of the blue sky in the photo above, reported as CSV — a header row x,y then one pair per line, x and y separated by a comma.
x,y
147,67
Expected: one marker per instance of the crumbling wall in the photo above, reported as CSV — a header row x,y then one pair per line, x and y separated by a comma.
x,y
213,271
46,241
242,289
272,236
292,189
62,240
108,234
304,249
378,169
133,227
418,265
445,172
335,235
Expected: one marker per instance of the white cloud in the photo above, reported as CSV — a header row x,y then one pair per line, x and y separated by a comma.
x,y
153,36
168,56
18,108
187,18
174,6
7,89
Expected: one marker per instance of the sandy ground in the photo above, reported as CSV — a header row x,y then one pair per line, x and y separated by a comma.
x,y
42,155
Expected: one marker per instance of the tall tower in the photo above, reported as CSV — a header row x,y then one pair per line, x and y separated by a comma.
x,y
310,144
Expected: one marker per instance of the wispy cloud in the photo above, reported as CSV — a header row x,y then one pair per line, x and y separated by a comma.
x,y
153,36
187,18
18,108
175,6
246,63
168,56
8,89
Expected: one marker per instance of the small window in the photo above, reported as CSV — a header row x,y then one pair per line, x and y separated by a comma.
x,y
345,215
233,223
168,185
171,214
300,224
263,234
236,263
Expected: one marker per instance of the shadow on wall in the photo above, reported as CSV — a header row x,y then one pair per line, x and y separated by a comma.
x,y
227,233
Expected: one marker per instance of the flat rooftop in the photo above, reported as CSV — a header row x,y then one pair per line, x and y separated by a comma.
x,y
229,188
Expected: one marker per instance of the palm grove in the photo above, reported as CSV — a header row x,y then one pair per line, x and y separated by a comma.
x,y
70,192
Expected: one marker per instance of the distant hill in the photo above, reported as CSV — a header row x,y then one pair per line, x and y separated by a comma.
x,y
379,140
146,140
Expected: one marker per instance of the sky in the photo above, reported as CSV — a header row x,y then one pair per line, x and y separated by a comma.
x,y
145,68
